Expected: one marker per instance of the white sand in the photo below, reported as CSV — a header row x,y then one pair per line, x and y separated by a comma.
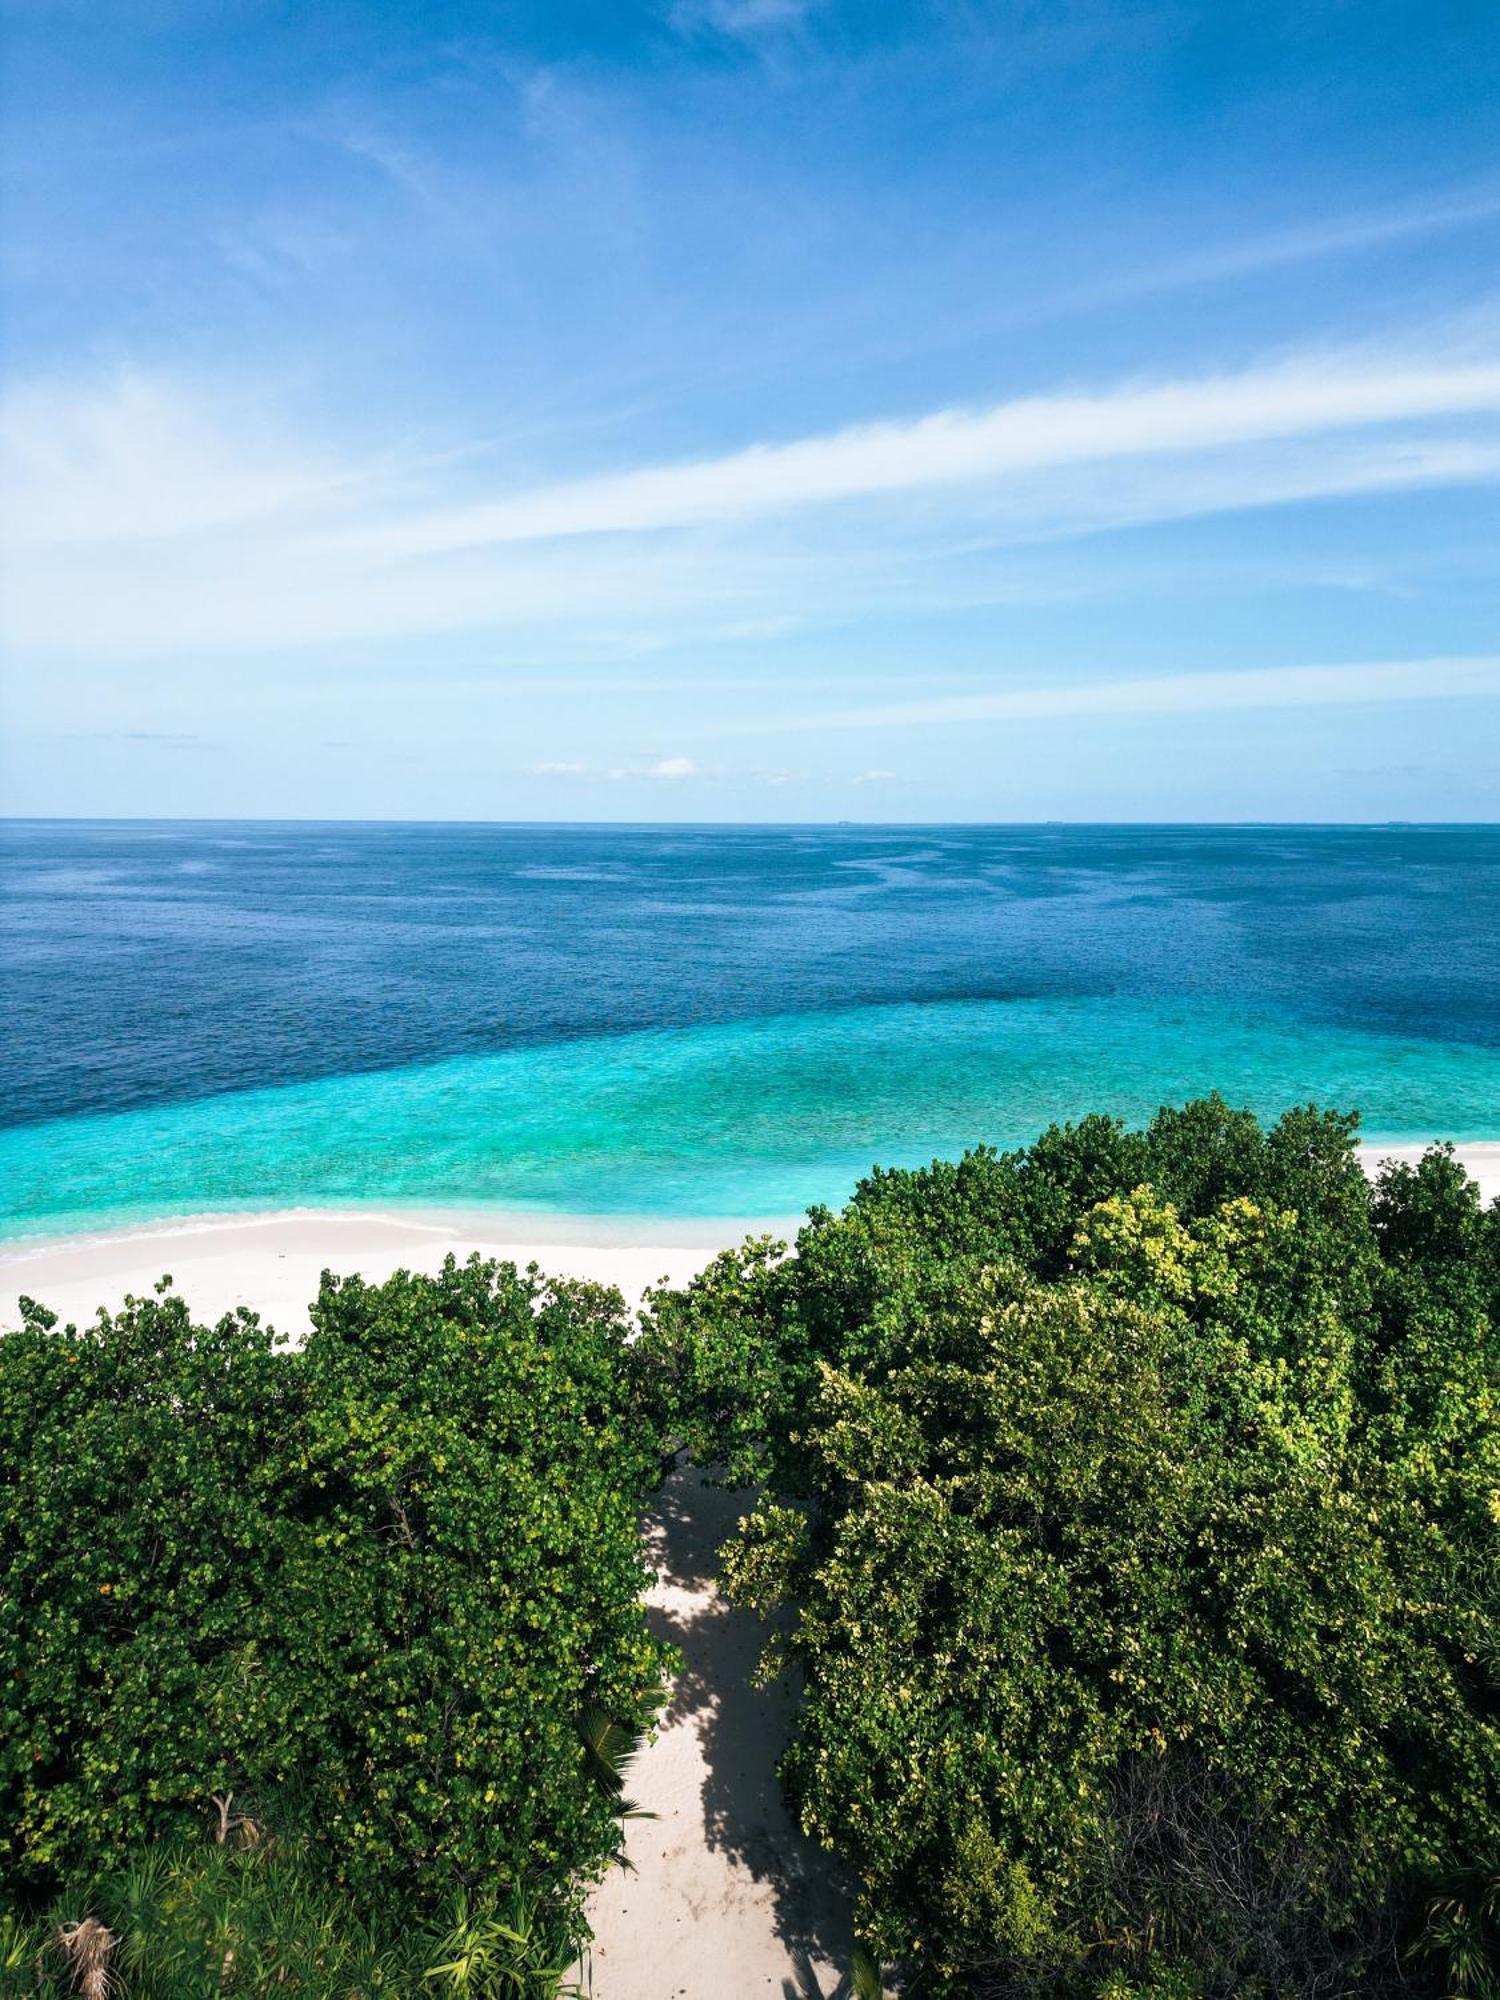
x,y
727,1900
1480,1159
273,1261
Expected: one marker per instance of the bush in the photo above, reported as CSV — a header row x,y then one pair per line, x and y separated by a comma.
x,y
192,1920
1133,1504
359,1597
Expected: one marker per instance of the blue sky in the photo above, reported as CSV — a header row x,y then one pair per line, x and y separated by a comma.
x,y
752,409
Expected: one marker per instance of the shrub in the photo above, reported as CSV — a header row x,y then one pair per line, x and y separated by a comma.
x,y
1132,1501
191,1920
359,1596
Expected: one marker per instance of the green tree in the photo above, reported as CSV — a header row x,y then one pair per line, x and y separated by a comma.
x,y
1132,1505
360,1595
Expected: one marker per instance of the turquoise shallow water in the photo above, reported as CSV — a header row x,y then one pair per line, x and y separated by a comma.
x,y
672,1021
735,1118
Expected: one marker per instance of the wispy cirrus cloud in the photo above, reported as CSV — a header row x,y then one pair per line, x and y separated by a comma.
x,y
1463,677
137,457
155,517
743,20
1296,398
1330,236
1335,235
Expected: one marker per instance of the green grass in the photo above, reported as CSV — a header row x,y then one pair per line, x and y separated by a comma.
x,y
199,1920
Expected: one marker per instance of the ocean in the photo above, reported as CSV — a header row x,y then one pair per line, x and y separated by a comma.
x,y
715,1021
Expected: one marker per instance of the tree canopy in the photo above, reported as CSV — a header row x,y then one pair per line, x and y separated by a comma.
x,y
1130,1504
366,1596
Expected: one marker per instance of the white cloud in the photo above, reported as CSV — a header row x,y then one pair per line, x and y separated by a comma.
x,y
875,778
1442,679
1290,399
559,770
1333,236
744,20
138,458
667,770
1306,242
156,518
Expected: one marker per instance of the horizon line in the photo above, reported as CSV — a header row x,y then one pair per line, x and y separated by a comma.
x,y
744,825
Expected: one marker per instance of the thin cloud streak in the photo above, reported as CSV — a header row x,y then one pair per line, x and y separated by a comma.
x,y
1334,237
135,458
1293,399
621,597
1444,679
745,20
156,518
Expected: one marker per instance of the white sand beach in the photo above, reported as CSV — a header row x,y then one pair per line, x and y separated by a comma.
x,y
273,1261
1479,1158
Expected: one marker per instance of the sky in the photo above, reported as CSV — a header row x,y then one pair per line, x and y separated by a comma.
x,y
779,410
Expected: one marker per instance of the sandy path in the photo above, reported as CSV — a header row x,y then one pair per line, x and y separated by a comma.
x,y
727,1898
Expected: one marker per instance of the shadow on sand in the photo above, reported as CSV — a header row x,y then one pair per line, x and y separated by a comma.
x,y
743,1732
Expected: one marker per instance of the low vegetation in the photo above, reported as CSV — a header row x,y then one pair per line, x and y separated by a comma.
x,y
1130,1506
306,1652
192,1920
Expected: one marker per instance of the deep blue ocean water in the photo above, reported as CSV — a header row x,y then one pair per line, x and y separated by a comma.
x,y
699,1020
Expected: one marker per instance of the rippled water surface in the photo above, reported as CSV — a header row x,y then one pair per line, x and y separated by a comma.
x,y
699,1020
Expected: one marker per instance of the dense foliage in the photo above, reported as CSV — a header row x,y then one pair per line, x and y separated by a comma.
x,y
1132,1503
362,1598
196,1920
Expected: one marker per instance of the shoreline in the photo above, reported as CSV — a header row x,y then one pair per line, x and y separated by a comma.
x,y
1479,1158
271,1260
416,1219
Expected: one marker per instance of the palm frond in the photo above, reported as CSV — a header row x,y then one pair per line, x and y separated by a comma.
x,y
865,1981
610,1744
